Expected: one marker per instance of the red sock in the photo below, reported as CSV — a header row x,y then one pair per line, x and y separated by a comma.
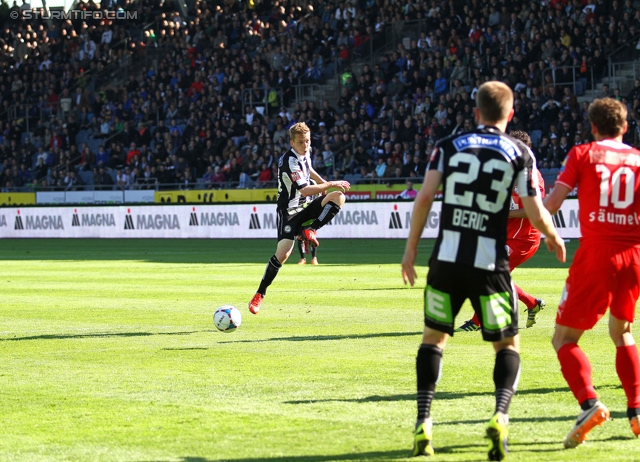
x,y
576,370
525,298
476,319
628,368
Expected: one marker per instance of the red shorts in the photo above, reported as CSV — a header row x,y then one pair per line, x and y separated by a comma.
x,y
521,251
600,277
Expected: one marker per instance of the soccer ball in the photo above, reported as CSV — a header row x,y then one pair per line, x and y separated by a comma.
x,y
227,318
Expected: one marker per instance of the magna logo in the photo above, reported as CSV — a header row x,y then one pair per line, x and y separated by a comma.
x,y
213,219
268,220
559,219
254,222
18,223
395,222
152,221
355,217
99,220
39,222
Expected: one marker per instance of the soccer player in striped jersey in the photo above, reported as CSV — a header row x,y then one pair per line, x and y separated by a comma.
x,y
299,215
477,171
523,241
605,272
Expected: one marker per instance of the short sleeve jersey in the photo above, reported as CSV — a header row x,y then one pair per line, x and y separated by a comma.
x,y
293,175
607,174
479,170
521,229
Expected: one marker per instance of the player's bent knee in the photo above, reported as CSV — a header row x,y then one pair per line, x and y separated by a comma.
x,y
337,197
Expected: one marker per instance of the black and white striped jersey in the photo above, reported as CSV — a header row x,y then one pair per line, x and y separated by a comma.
x,y
479,170
293,175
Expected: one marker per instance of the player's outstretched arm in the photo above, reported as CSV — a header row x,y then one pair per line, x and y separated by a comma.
x,y
421,208
541,219
553,201
324,186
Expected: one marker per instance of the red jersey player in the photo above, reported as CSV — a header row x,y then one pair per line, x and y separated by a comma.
x,y
605,272
523,241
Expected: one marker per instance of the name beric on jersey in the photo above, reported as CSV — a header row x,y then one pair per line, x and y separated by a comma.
x,y
470,219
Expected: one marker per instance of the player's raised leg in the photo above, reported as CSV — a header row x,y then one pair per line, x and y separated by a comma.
x,y
331,205
534,305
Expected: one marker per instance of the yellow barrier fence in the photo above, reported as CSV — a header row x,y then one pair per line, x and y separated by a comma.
x,y
17,198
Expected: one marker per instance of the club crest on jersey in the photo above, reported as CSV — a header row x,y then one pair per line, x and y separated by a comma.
x,y
296,176
287,229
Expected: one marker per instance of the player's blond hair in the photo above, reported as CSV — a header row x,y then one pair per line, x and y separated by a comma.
x,y
608,115
494,101
300,128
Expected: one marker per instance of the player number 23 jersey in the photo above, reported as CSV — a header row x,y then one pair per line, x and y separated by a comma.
x,y
479,170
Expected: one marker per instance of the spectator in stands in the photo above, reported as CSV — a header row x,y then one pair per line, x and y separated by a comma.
x,y
265,178
408,193
211,88
101,179
41,170
122,180
72,182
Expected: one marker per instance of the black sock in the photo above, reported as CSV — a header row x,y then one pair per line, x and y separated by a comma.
x,y
300,249
313,251
587,404
505,376
428,364
329,211
269,275
632,412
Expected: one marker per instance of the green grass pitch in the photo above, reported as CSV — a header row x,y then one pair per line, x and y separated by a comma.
x,y
108,353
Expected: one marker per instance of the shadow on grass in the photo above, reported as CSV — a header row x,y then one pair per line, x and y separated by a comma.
x,y
314,338
558,444
374,455
367,399
467,449
444,395
98,335
185,349
618,414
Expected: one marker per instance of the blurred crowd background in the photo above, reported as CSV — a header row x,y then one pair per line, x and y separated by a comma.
x,y
200,95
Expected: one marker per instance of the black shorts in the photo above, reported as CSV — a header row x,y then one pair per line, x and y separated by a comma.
x,y
290,226
492,296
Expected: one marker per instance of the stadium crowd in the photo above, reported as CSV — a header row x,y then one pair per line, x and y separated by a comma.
x,y
214,108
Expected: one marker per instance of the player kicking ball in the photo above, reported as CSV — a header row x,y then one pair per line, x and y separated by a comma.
x,y
299,215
